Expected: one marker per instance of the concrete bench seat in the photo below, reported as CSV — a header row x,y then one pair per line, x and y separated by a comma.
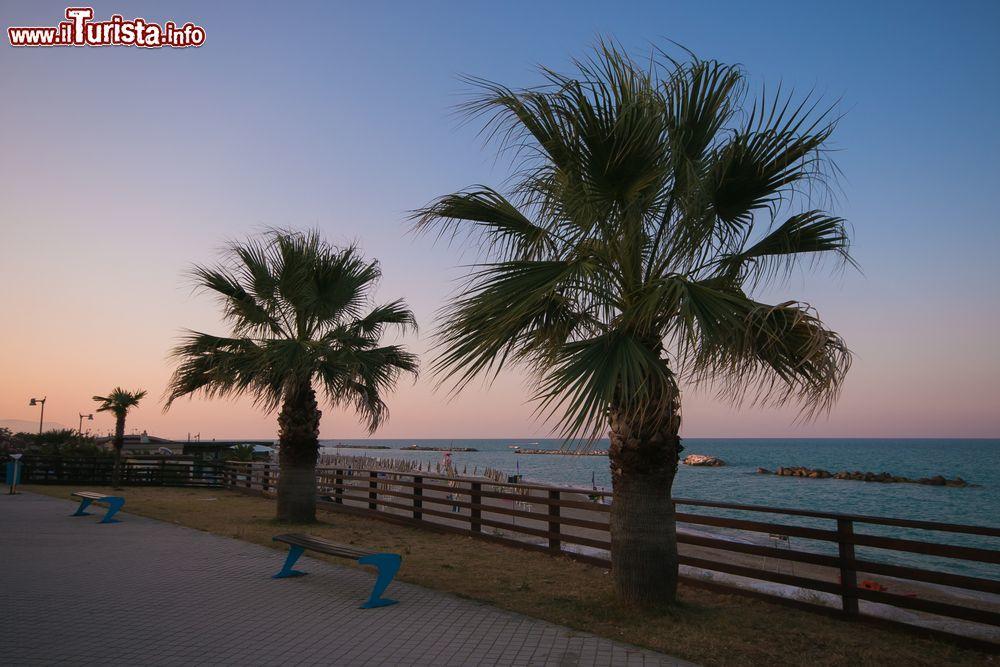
x,y
386,563
114,503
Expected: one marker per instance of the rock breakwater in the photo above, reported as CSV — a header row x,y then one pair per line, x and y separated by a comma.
x,y
858,476
703,460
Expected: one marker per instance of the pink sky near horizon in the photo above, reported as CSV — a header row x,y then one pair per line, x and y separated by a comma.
x,y
79,353
114,183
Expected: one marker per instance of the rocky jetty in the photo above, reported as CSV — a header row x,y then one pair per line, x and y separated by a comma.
x,y
341,445
703,460
421,448
858,476
561,452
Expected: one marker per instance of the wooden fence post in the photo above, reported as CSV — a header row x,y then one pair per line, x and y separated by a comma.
x,y
418,502
555,544
373,492
848,574
476,499
338,482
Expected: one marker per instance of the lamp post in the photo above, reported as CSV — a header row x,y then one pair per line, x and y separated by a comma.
x,y
79,430
41,417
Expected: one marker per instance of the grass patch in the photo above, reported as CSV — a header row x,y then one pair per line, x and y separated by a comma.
x,y
705,627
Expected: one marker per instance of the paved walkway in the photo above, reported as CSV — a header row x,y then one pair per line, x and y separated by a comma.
x,y
151,593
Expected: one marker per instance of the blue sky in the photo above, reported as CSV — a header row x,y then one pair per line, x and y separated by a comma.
x,y
122,166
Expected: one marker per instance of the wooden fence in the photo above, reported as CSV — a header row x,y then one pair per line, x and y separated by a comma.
x,y
136,471
841,559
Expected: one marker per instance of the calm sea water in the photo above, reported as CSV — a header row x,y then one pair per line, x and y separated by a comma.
x,y
976,461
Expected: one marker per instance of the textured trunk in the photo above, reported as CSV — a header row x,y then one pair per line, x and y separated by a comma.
x,y
298,437
644,455
119,443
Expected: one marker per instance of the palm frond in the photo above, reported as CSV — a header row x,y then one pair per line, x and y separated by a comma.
x,y
373,325
590,378
771,354
360,377
220,367
239,306
778,147
800,235
503,226
524,307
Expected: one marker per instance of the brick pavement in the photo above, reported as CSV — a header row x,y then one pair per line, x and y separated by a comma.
x,y
147,592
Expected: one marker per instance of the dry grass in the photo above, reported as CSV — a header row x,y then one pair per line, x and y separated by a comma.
x,y
706,627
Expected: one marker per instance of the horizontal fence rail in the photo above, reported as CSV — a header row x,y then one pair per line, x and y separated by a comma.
x,y
836,555
136,471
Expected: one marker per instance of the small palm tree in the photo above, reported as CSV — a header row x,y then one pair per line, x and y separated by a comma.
x,y
651,201
119,402
297,308
241,453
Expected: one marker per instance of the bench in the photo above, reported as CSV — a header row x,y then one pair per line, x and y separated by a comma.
x,y
114,504
387,564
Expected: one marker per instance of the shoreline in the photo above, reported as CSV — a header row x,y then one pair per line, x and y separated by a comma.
x,y
848,467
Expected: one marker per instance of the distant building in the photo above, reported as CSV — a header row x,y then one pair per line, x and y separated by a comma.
x,y
216,450
143,444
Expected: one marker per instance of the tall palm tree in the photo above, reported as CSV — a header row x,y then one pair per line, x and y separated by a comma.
x,y
650,202
119,402
299,310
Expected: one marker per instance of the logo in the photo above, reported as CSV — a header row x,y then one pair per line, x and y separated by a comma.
x,y
79,29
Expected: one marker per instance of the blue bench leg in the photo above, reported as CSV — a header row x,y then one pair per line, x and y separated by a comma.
x,y
287,571
388,566
114,504
84,504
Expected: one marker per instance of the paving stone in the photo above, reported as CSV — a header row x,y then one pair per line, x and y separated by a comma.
x,y
76,592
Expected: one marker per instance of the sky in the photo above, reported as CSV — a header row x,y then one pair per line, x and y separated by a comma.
x,y
121,167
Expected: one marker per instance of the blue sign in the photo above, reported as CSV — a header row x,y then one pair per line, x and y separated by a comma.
x,y
13,474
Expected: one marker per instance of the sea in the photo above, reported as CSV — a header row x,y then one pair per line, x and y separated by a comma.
x,y
975,461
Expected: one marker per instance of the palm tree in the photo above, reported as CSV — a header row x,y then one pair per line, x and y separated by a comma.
x,y
297,309
242,453
119,402
650,202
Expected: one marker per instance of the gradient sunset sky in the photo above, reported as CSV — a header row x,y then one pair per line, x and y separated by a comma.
x,y
120,167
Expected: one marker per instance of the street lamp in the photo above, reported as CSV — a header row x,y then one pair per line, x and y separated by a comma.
x,y
41,417
89,417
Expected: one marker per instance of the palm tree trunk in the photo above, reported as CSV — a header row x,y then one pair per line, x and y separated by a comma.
x,y
119,443
643,531
298,437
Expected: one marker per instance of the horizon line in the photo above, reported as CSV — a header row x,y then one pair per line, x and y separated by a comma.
x,y
698,437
